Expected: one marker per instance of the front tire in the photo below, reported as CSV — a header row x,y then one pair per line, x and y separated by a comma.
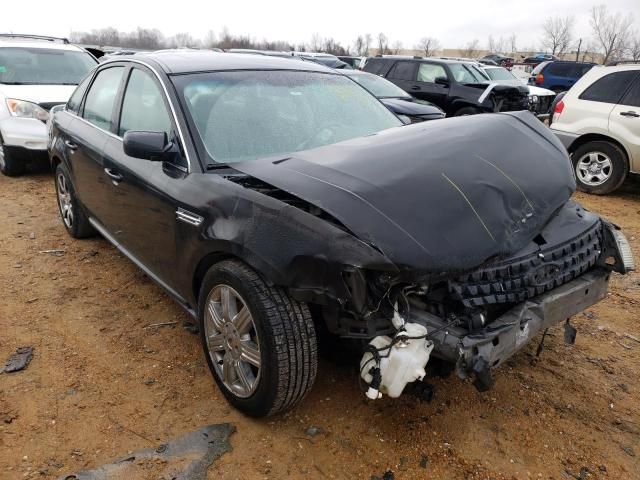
x,y
600,167
260,344
9,164
74,218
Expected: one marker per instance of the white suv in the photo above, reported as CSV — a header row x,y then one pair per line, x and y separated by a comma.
x,y
598,121
36,73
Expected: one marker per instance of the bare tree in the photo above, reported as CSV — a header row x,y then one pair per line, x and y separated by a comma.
x,y
383,44
513,39
611,32
429,46
316,42
183,40
470,50
557,34
633,50
104,36
496,46
333,47
396,48
362,45
210,39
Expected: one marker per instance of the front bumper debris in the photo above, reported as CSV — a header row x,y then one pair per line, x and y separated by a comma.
x,y
501,339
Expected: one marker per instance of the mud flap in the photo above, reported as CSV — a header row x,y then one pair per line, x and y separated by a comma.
x,y
569,333
483,380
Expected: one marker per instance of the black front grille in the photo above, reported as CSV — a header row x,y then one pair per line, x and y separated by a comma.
x,y
514,281
543,105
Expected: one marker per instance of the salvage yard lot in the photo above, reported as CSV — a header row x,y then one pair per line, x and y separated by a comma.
x,y
106,380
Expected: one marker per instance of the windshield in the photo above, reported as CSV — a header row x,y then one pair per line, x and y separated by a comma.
x,y
464,73
380,87
253,114
43,66
499,74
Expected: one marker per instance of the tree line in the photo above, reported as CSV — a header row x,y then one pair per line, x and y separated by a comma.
x,y
612,38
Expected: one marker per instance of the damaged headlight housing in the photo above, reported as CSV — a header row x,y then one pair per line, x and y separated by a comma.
x,y
24,109
624,249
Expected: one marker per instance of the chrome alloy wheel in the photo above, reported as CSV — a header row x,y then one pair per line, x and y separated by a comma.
x,y
64,200
594,168
2,164
232,340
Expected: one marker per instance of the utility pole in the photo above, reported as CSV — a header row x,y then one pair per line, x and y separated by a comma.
x,y
578,52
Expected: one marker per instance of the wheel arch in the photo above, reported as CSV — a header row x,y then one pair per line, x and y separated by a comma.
x,y
203,266
215,255
596,137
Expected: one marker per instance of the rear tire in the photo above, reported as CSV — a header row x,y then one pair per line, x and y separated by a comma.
x,y
464,111
9,164
265,342
74,218
600,167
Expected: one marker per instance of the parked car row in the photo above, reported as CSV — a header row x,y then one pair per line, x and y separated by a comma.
x,y
457,87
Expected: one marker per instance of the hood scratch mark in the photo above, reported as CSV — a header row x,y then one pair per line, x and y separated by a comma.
x,y
508,178
470,205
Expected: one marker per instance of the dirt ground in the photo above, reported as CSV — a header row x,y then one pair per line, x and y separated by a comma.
x,y
103,382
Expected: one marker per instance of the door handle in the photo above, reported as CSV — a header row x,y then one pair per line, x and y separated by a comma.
x,y
415,87
113,175
70,145
630,113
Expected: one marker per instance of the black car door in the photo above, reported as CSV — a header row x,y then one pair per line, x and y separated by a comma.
x,y
432,84
86,138
142,191
403,74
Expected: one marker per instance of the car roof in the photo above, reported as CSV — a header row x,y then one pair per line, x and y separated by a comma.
x,y
190,61
571,61
425,59
28,42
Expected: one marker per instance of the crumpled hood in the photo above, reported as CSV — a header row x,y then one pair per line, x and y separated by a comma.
x,y
436,196
409,106
38,93
541,92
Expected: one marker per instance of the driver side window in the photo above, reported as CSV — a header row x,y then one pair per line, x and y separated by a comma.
x,y
143,107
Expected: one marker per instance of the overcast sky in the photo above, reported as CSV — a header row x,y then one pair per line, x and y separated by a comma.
x,y
452,22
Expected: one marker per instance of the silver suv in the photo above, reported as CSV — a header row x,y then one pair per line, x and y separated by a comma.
x,y
598,121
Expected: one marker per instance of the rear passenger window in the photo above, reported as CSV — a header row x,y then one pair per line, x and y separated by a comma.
x,y
560,69
377,66
403,71
429,72
98,107
610,88
632,98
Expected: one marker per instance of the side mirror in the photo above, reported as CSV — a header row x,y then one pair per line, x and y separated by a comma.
x,y
442,81
404,119
153,146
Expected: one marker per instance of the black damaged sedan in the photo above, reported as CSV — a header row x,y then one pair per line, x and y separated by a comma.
x,y
273,198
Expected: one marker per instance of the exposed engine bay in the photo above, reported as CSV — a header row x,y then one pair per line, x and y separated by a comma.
x,y
480,319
